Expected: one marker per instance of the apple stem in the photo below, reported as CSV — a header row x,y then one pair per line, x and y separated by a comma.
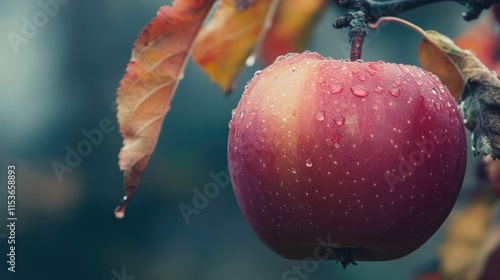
x,y
343,255
356,19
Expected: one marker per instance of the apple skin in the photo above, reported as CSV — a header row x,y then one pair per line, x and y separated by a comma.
x,y
313,141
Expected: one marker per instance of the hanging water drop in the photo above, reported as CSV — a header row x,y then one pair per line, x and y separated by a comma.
x,y
251,60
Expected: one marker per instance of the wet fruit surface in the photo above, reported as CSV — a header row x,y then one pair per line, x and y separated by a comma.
x,y
368,155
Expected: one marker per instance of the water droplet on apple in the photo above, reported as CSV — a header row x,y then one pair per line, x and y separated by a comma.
x,y
359,90
419,82
374,66
292,170
309,162
233,112
378,89
294,69
320,115
441,88
320,80
336,88
437,106
279,58
433,90
397,82
371,72
288,55
337,145
395,91
241,114
359,61
339,120
257,73
362,78
307,52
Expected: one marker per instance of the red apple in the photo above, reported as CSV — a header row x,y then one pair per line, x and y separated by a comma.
x,y
370,155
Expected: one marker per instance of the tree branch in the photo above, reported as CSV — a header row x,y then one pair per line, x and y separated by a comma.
x,y
361,12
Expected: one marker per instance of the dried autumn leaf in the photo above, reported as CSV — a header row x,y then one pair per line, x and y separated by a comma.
x,y
433,58
480,100
481,112
291,28
158,61
224,45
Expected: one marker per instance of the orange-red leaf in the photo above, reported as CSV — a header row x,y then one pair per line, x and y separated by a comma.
x,y
434,59
483,40
291,28
229,39
158,60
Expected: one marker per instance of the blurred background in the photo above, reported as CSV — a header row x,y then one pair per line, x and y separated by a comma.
x,y
63,80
